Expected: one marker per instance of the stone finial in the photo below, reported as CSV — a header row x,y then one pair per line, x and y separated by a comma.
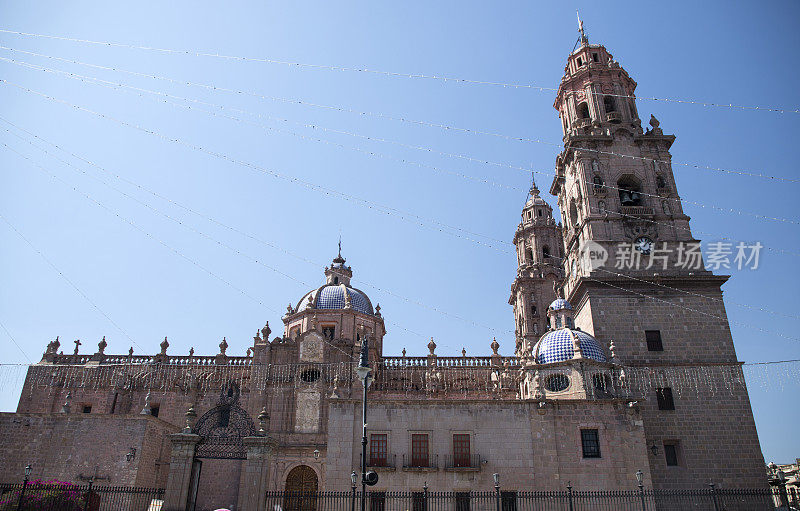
x,y
190,415
191,352
348,300
432,347
558,290
257,337
404,352
67,400
146,410
265,331
77,344
289,310
576,346
310,303
463,352
495,346
249,351
378,310
263,417
164,346
52,346
312,323
130,351
654,122
223,346
101,346
613,349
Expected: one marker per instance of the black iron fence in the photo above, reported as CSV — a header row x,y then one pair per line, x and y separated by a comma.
x,y
709,499
62,496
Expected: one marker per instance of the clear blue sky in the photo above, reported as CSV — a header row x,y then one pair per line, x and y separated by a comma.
x,y
726,52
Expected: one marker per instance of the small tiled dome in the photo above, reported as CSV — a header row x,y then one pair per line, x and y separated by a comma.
x,y
332,296
557,346
559,304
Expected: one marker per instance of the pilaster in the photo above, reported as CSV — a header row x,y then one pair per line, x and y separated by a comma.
x,y
180,471
254,479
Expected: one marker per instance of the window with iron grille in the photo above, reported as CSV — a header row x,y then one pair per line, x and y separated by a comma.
x,y
508,501
461,450
418,501
664,398
377,449
377,501
462,501
671,454
590,442
419,450
653,338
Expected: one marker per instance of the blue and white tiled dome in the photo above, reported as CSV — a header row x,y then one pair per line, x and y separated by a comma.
x,y
557,346
559,304
332,296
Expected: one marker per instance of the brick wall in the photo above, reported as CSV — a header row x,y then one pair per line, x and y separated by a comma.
x,y
65,447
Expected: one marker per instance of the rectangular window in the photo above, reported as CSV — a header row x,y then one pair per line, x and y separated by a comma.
x,y
377,450
508,501
653,340
664,398
462,501
377,501
671,454
461,450
87,408
418,502
419,450
328,332
590,442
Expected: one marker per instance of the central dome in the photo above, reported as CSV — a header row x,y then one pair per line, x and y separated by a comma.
x,y
332,296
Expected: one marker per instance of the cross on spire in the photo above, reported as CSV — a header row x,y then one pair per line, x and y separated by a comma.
x,y
77,343
584,39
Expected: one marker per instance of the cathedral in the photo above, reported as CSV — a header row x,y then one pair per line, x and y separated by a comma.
x,y
623,361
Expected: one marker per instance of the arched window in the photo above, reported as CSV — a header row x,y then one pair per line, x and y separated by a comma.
x,y
336,280
545,251
598,184
583,111
629,191
610,104
529,254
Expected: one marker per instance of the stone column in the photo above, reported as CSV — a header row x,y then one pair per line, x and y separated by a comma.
x,y
254,478
180,471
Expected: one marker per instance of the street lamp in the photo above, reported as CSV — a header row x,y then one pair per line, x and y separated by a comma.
x,y
640,481
496,478
353,479
28,470
365,375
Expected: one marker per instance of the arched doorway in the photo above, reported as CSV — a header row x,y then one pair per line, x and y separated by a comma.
x,y
301,489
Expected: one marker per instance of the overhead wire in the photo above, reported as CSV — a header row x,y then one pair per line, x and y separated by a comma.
x,y
385,73
387,210
154,133
233,229
98,81
15,342
67,279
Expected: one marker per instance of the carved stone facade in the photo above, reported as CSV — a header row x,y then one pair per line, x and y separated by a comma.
x,y
583,398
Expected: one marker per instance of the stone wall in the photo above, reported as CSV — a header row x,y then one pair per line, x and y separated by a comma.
x,y
530,450
70,447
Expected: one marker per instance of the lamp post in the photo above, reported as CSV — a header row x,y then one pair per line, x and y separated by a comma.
x,y
353,478
28,470
496,478
364,374
639,480
713,494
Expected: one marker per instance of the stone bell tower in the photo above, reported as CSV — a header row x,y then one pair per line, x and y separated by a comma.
x,y
538,241
618,195
613,180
